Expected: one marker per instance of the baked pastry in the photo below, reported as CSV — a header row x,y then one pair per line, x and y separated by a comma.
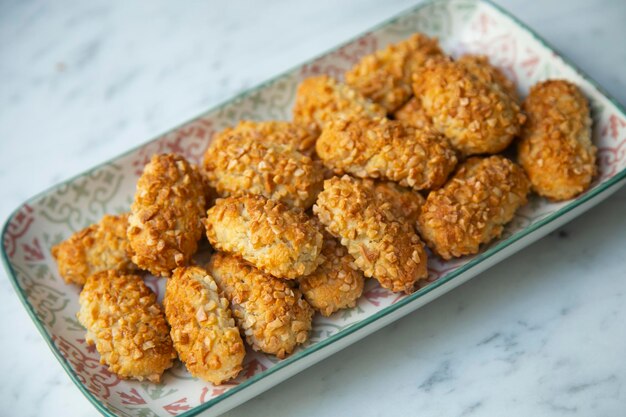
x,y
94,249
383,246
386,149
272,159
413,113
127,326
385,76
337,283
473,207
277,240
476,116
555,149
481,68
203,329
165,223
271,314
404,203
322,99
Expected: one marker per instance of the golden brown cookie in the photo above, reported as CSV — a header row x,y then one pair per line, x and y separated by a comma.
x,y
271,314
203,329
272,159
473,207
383,246
337,283
556,149
404,202
476,116
127,325
481,68
386,149
322,99
166,215
273,131
94,249
413,113
385,76
279,241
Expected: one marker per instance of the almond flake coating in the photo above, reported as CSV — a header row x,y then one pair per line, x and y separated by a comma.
x,y
382,148
94,249
203,329
127,325
413,113
335,284
404,203
481,68
473,207
321,99
476,116
385,76
166,216
273,131
556,149
279,241
382,246
264,159
269,312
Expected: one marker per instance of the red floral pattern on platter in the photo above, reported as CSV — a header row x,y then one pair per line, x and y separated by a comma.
x,y
612,154
177,406
484,23
615,126
216,391
375,294
132,397
530,63
253,367
33,251
18,227
203,395
91,373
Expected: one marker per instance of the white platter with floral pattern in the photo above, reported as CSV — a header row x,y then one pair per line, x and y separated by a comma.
x,y
44,220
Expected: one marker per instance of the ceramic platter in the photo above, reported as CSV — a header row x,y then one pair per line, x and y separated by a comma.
x,y
44,220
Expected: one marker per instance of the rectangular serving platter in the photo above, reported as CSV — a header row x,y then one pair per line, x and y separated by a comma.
x,y
462,26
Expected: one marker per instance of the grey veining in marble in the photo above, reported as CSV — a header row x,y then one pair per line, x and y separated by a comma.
x,y
541,334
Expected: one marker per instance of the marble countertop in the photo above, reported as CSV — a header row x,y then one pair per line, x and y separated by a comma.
x,y
542,333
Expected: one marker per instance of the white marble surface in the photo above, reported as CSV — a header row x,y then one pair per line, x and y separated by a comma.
x,y
541,334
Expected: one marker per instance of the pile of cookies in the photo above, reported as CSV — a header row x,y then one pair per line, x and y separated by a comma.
x,y
402,156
